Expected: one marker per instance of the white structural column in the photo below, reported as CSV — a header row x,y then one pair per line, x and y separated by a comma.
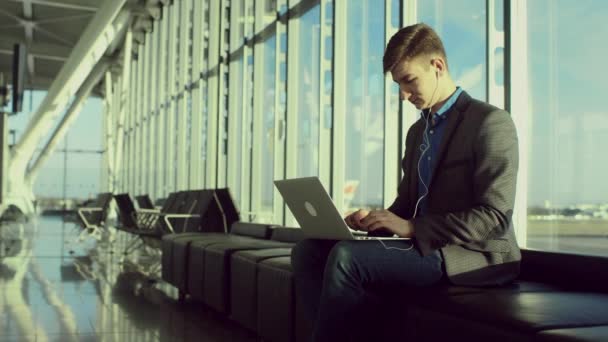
x,y
145,118
258,121
153,111
222,113
123,94
130,127
81,96
495,41
215,32
291,144
162,161
100,33
170,184
340,96
280,104
520,108
182,100
196,129
139,122
325,106
409,114
108,130
392,157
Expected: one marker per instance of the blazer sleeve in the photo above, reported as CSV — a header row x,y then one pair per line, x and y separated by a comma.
x,y
495,155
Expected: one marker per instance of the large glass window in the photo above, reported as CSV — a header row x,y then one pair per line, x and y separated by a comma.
x,y
364,124
567,197
462,27
308,93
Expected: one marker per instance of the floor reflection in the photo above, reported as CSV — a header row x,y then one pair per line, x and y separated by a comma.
x,y
54,287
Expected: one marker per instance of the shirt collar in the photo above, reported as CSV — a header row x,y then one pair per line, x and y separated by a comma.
x,y
447,105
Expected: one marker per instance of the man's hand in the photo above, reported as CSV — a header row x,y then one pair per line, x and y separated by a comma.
x,y
353,220
386,220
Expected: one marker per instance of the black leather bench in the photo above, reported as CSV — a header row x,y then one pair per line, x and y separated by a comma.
x,y
548,303
558,297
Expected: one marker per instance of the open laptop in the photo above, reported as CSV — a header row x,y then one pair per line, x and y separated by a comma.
x,y
315,211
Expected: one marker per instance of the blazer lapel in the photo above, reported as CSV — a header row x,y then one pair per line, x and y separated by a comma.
x,y
455,116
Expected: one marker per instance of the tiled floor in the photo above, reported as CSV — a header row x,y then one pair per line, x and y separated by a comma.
x,y
54,288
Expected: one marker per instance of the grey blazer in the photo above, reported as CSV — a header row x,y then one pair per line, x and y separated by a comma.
x,y
471,195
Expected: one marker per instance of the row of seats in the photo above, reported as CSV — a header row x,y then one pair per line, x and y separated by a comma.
x,y
247,276
245,273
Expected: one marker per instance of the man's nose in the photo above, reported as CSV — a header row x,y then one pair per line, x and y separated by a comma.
x,y
404,95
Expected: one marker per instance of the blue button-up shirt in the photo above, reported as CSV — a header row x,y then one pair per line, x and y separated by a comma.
x,y
432,137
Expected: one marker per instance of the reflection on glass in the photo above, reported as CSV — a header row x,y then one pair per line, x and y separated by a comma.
x,y
364,157
308,94
462,27
567,203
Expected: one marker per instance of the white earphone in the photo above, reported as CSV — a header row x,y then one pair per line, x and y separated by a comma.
x,y
424,147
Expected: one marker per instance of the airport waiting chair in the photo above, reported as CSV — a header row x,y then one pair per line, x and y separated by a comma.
x,y
219,214
144,202
92,217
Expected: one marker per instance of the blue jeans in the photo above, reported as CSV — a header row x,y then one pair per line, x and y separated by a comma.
x,y
345,286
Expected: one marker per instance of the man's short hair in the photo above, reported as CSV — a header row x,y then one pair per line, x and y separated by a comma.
x,y
410,42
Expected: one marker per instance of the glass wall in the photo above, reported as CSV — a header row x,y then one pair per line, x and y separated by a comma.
x,y
296,89
307,82
74,169
568,132
364,121
462,27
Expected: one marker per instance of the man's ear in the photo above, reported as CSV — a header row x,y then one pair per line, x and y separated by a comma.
x,y
439,64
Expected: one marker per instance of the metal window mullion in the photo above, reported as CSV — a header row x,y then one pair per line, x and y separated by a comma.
x,y
339,119
325,146
154,104
115,134
245,171
516,29
126,163
162,162
132,118
409,16
215,31
196,128
221,169
171,101
139,121
258,119
234,137
392,157
249,90
140,180
291,136
495,40
141,117
279,124
123,103
106,124
235,114
247,110
128,157
182,116
107,120
147,134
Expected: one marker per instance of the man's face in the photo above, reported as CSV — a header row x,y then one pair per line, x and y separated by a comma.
x,y
417,81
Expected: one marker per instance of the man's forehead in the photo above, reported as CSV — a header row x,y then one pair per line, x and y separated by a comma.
x,y
404,68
